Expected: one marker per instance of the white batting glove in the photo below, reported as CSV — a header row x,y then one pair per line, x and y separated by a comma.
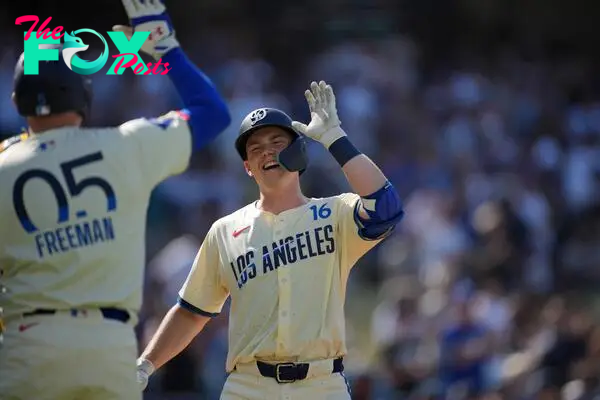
x,y
144,369
150,16
324,126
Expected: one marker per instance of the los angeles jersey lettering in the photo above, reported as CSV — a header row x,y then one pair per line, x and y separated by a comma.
x,y
279,271
73,205
304,245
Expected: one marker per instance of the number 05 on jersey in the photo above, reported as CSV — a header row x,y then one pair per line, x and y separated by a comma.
x,y
69,234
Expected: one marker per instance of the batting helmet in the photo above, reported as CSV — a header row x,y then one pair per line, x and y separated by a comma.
x,y
293,158
55,89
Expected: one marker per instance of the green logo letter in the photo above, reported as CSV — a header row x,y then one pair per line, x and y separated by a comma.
x,y
33,54
128,46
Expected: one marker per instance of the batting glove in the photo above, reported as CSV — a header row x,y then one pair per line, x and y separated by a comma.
x,y
150,16
144,369
324,126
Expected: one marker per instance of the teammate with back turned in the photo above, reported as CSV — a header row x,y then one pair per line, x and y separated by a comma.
x,y
73,207
284,260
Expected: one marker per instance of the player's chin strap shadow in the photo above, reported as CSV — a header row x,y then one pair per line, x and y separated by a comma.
x,y
294,158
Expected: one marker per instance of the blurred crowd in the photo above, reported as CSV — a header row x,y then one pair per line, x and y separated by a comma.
x,y
486,289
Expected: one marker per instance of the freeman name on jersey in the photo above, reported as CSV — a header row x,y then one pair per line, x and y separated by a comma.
x,y
69,237
287,251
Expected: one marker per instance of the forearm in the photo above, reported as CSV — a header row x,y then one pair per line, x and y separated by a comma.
x,y
176,331
363,175
380,208
209,114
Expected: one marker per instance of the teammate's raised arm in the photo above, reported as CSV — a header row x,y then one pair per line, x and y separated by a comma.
x,y
380,207
74,206
208,113
161,147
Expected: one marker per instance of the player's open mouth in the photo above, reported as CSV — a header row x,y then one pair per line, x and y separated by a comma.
x,y
271,165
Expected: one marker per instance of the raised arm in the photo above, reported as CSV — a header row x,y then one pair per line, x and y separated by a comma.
x,y
207,110
380,207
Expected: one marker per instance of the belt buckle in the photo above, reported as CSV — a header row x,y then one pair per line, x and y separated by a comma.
x,y
277,372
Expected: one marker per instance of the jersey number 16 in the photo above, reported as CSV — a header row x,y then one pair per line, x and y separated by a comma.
x,y
322,212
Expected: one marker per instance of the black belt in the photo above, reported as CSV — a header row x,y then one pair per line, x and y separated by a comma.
x,y
291,372
108,313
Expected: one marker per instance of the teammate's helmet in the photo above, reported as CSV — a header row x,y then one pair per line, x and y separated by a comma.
x,y
293,158
55,89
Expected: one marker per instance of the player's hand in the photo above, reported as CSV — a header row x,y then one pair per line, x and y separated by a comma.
x,y
324,126
144,370
142,379
150,16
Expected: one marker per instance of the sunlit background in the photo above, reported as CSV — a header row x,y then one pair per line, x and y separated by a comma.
x,y
486,117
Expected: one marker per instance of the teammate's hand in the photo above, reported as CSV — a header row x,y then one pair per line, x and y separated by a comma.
x,y
150,16
144,370
324,126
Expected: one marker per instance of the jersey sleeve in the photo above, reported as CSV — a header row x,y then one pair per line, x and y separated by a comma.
x,y
204,292
162,146
353,245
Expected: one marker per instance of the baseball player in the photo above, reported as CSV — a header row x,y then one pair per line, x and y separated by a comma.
x,y
284,260
73,205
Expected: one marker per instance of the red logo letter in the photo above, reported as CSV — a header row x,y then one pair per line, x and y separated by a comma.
x,y
166,69
28,18
56,32
149,70
130,63
43,30
138,69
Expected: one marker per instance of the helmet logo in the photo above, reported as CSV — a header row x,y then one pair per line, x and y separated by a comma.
x,y
257,115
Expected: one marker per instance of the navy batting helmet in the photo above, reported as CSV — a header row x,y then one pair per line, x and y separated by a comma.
x,y
55,89
293,158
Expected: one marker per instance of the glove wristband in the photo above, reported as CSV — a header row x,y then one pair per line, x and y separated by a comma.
x,y
145,366
343,150
329,137
162,34
163,48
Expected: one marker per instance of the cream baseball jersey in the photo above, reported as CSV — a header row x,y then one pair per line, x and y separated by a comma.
x,y
73,207
286,275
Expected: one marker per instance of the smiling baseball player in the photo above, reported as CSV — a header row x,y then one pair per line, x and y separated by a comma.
x,y
284,260
73,206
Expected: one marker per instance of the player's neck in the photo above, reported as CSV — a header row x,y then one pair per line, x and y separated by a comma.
x,y
39,125
280,201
